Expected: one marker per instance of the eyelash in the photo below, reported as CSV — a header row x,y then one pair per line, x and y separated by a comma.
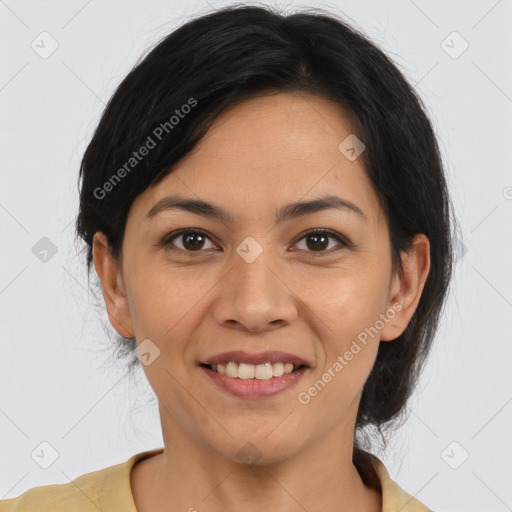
x,y
168,239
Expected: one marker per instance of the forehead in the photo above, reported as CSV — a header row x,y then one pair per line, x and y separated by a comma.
x,y
268,151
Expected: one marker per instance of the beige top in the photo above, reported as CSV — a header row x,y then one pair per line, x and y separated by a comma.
x,y
109,490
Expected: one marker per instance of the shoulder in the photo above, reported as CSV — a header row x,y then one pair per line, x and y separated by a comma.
x,y
105,489
394,498
56,497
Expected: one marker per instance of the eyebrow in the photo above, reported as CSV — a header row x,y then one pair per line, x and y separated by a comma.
x,y
287,212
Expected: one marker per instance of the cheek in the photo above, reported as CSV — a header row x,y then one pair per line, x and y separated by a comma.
x,y
161,300
350,344
164,307
349,302
349,327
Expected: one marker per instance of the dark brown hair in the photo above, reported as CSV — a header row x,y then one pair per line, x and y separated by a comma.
x,y
225,57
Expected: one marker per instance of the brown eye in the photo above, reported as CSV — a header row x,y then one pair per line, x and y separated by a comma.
x,y
318,240
192,240
195,241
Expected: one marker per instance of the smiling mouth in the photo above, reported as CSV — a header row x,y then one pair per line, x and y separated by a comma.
x,y
245,371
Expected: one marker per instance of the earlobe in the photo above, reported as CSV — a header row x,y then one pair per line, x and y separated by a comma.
x,y
407,287
112,286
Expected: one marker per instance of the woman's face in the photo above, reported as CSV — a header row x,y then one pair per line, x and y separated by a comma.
x,y
258,282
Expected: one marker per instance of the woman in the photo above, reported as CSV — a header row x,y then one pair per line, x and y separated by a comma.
x,y
266,209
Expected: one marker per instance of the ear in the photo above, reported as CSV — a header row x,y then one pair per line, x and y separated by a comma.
x,y
407,287
109,272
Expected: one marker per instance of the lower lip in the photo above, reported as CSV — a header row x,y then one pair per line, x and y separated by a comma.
x,y
255,388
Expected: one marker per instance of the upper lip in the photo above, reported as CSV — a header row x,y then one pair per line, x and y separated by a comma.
x,y
240,356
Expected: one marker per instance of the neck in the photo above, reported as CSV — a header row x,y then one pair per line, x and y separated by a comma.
x,y
191,476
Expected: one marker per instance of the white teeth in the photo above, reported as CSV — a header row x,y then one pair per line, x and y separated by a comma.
x,y
277,369
263,371
250,371
232,369
246,371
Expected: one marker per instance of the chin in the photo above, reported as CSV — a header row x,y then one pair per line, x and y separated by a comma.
x,y
259,450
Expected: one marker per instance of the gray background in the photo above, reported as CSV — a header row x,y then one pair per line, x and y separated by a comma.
x,y
59,383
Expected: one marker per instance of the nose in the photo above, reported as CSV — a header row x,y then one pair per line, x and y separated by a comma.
x,y
255,296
